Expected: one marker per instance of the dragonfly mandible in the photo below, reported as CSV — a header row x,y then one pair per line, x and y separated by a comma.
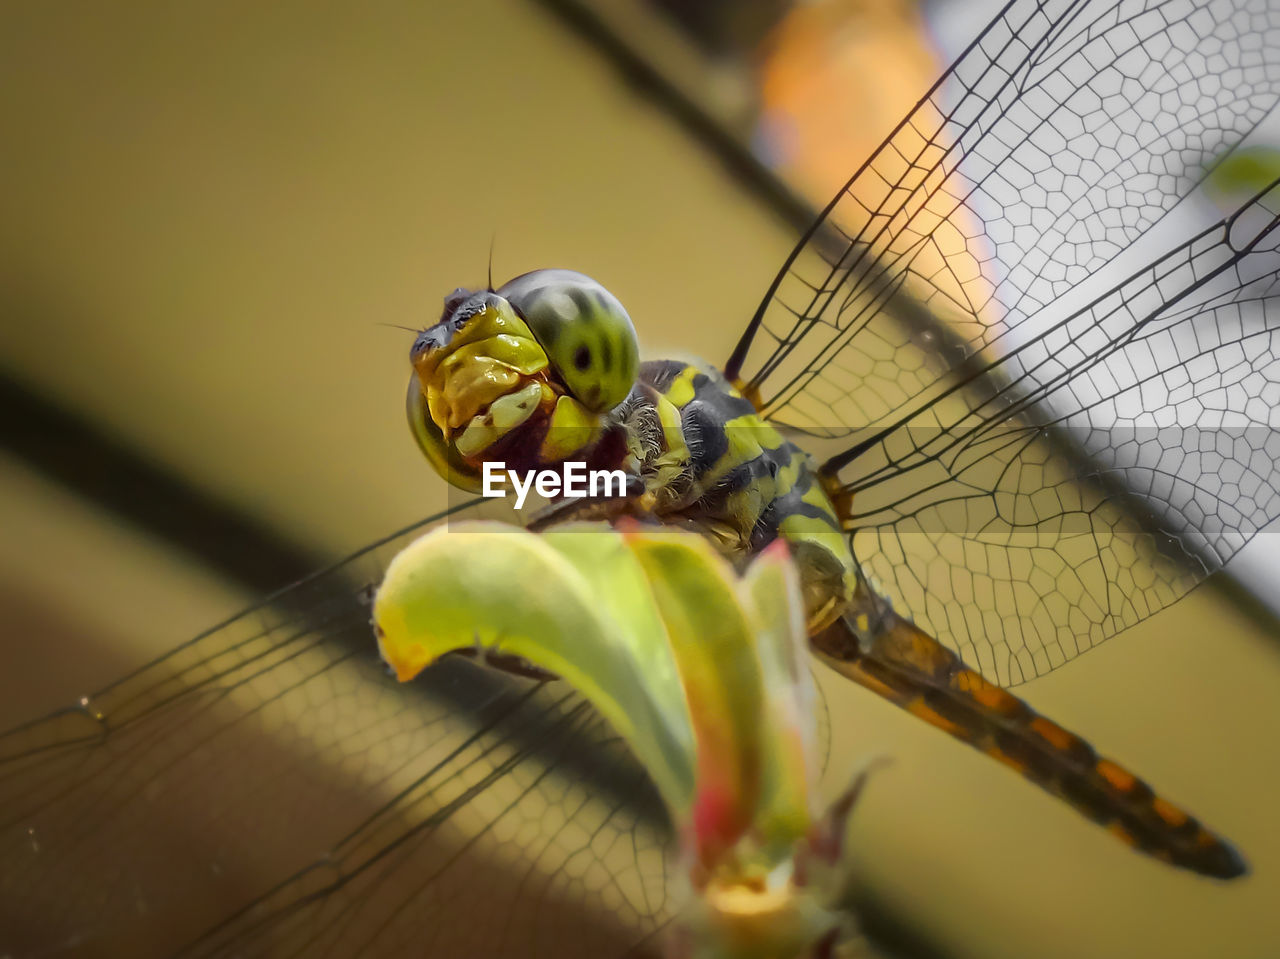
x,y
958,430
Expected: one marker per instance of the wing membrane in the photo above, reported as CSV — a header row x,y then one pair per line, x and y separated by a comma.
x,y
482,815
1099,471
1064,132
1014,441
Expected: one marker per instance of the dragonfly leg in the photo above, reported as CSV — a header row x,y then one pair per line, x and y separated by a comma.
x,y
506,662
895,659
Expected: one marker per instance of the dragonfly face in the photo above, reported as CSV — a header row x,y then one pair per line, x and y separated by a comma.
x,y
525,375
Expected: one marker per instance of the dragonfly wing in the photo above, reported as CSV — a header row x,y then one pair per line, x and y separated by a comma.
x,y
473,812
1009,443
1105,467
1063,133
535,835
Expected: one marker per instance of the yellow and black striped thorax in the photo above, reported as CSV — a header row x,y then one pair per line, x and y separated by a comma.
x,y
708,456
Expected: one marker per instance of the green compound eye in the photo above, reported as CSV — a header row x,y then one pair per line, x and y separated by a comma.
x,y
586,332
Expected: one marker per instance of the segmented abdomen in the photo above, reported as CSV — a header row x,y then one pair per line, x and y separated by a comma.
x,y
904,665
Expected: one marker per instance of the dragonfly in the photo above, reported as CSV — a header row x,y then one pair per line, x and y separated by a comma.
x,y
1001,427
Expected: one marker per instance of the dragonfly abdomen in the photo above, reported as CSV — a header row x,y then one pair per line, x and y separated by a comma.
x,y
899,662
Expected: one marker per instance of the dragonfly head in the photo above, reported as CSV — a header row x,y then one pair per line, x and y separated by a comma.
x,y
527,373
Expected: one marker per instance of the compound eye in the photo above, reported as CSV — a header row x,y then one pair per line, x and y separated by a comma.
x,y
585,331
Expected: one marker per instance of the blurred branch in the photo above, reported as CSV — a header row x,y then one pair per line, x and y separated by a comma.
x,y
77,453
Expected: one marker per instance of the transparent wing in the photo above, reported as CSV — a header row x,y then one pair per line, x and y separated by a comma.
x,y
468,813
1016,451
1116,459
1065,131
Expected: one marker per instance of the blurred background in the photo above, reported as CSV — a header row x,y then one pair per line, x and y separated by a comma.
x,y
213,217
